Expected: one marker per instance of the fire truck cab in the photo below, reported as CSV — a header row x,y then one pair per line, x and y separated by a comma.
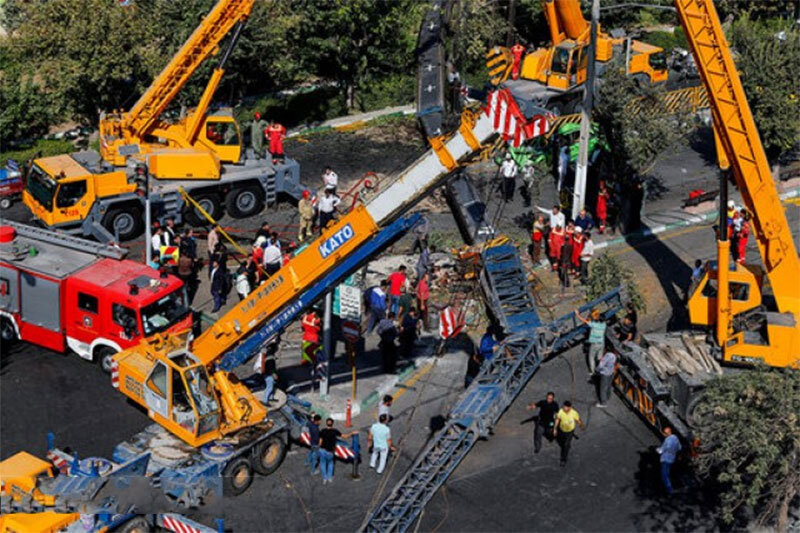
x,y
60,297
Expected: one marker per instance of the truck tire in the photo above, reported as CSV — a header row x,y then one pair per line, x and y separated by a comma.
x,y
236,477
137,525
244,202
127,220
5,203
210,203
102,356
267,456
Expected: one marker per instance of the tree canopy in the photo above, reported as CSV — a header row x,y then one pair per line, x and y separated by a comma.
x,y
749,427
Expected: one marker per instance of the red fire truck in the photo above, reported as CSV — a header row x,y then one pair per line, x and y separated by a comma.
x,y
61,292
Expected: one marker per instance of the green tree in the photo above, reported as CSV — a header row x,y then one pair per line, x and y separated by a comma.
x,y
750,430
637,139
24,112
355,42
768,59
736,9
84,52
606,274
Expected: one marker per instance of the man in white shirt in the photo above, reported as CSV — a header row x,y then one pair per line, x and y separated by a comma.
x,y
385,408
587,252
156,241
327,207
556,216
380,440
272,258
509,171
330,179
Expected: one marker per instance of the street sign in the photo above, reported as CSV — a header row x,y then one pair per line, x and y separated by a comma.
x,y
351,330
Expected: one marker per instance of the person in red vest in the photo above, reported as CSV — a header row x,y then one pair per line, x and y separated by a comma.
x,y
517,51
312,326
577,248
275,133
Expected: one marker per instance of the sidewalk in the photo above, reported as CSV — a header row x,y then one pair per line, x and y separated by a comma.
x,y
352,122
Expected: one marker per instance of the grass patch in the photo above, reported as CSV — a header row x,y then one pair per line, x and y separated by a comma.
x,y
40,148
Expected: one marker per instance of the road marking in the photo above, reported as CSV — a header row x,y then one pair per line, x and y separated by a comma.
x,y
410,382
683,231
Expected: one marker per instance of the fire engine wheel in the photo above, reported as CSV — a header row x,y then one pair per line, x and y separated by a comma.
x,y
268,455
236,477
126,221
5,203
244,202
102,356
210,203
7,333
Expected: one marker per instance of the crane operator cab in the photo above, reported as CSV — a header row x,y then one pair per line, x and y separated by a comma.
x,y
179,392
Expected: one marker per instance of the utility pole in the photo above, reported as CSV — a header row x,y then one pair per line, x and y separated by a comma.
x,y
148,224
579,195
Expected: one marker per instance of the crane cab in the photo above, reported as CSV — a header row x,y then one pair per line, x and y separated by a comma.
x,y
220,134
745,291
177,392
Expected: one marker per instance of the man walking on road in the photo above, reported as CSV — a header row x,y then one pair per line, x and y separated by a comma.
x,y
376,298
380,440
397,280
668,451
217,286
545,421
605,373
564,428
597,337
387,330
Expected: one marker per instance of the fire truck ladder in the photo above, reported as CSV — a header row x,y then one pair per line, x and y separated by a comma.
x,y
66,241
529,343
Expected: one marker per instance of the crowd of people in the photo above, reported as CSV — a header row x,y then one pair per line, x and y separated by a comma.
x,y
568,245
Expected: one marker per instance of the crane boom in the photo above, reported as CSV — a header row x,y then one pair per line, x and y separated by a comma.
x,y
202,43
742,145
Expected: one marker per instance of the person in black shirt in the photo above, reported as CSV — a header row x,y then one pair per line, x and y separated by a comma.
x,y
627,330
408,333
545,421
388,333
631,313
474,364
327,448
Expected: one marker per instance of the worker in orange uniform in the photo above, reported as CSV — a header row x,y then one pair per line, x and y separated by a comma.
x,y
516,51
312,326
275,133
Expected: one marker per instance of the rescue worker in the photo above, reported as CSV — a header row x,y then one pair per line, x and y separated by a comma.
x,y
602,207
276,133
537,236
516,51
305,208
256,136
312,326
327,207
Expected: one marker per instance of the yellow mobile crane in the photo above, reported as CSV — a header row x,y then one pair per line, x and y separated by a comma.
x,y
749,325
102,194
552,77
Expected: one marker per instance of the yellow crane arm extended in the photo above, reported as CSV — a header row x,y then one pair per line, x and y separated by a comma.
x,y
742,146
203,42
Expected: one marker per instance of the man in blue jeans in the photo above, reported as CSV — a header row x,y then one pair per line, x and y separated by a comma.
x,y
327,449
668,450
376,298
313,453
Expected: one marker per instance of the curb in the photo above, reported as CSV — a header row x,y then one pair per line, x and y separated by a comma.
x,y
696,219
374,395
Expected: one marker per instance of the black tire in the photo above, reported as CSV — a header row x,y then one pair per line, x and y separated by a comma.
x,y
102,356
212,205
5,203
7,332
244,202
125,219
237,477
267,456
137,525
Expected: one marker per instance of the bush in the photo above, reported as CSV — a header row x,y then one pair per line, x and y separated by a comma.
x,y
667,40
393,90
40,148
606,273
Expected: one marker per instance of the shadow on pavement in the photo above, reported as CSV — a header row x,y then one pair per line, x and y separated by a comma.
x,y
673,274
